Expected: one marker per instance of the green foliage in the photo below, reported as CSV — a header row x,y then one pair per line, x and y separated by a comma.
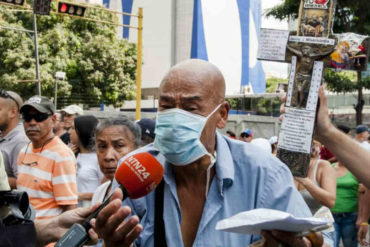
x,y
259,105
272,82
234,103
285,10
99,66
350,16
268,106
345,81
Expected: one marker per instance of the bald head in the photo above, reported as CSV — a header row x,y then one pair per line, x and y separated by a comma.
x,y
15,99
199,73
10,102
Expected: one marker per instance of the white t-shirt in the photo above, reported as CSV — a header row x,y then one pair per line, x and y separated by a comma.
x,y
4,185
100,193
99,197
89,176
365,145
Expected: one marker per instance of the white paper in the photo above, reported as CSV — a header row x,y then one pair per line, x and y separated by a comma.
x,y
291,81
272,44
256,220
312,40
313,95
296,130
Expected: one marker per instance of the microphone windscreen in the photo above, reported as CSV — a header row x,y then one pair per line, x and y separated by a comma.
x,y
139,174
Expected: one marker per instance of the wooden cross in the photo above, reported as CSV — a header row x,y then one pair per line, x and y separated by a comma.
x,y
308,51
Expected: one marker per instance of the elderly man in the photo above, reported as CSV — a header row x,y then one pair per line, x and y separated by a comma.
x,y
208,177
58,128
46,166
12,136
68,115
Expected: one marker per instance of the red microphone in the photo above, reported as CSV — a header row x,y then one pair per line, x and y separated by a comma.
x,y
137,175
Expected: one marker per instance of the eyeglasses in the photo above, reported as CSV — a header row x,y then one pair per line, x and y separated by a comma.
x,y
245,135
40,117
31,164
34,163
5,94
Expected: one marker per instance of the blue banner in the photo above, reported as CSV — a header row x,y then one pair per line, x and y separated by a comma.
x,y
225,33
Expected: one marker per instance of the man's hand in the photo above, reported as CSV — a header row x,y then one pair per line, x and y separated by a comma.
x,y
112,226
74,148
302,181
51,230
78,215
361,235
276,238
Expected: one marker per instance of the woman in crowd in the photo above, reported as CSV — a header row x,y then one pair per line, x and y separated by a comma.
x,y
319,187
115,137
346,206
89,176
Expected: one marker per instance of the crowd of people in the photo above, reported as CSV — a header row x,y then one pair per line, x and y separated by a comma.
x,y
330,184
66,161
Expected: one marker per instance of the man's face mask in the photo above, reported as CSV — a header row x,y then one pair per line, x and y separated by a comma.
x,y
177,136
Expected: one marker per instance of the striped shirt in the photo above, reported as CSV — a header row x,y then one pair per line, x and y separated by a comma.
x,y
48,175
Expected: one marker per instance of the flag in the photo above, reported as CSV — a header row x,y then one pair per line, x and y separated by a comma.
x,y
225,33
124,6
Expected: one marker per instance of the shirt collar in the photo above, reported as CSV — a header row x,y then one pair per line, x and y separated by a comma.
x,y
12,133
224,165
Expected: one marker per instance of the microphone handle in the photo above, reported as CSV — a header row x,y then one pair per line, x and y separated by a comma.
x,y
78,234
86,223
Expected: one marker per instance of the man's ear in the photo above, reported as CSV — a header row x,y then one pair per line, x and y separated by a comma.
x,y
54,118
13,112
224,113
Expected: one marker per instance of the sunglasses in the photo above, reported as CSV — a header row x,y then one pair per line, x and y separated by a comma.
x,y
38,117
4,94
245,135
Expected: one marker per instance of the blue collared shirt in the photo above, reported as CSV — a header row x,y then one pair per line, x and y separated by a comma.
x,y
246,178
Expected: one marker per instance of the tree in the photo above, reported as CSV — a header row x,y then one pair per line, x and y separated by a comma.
x,y
343,83
350,16
272,82
99,66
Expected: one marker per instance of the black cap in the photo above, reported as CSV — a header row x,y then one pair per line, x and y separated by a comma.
x,y
344,129
361,128
147,126
41,104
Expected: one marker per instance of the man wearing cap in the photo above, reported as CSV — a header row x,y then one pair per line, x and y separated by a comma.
x,y
147,126
46,166
274,143
58,128
246,135
12,136
69,113
362,136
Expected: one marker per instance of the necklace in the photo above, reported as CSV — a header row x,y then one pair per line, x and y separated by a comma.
x,y
46,142
34,163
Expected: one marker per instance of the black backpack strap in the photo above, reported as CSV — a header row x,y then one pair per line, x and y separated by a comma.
x,y
159,230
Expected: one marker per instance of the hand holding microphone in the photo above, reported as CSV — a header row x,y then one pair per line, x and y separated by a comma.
x,y
137,175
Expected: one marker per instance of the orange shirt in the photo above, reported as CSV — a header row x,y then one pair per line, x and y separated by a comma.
x,y
48,175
